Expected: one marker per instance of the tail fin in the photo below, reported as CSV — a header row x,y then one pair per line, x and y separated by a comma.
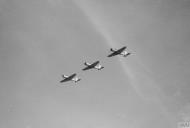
x,y
111,50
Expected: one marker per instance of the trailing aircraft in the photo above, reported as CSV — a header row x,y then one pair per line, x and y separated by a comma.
x,y
120,51
70,78
95,65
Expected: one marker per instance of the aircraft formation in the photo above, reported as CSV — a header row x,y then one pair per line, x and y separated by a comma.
x,y
96,65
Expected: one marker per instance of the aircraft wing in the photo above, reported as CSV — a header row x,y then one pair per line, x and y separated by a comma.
x,y
95,63
121,49
86,68
112,54
65,80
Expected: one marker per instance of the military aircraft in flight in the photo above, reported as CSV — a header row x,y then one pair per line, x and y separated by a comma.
x,y
95,65
70,78
120,51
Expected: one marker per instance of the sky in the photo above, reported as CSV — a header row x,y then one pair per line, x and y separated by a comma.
x,y
42,39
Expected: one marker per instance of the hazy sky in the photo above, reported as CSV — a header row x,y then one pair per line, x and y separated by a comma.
x,y
42,39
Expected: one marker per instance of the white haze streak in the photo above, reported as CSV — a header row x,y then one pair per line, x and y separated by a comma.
x,y
100,26
95,20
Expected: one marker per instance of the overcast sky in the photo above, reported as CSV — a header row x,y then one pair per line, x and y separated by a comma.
x,y
42,39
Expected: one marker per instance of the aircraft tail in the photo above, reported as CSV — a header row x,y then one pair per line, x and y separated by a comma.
x,y
127,54
111,50
101,68
77,80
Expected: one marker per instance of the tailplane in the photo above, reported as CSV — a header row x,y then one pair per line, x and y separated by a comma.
x,y
127,54
77,80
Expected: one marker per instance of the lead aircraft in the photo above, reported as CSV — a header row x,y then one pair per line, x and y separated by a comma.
x,y
95,65
70,78
120,51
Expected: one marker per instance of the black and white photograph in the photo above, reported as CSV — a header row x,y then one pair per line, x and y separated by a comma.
x,y
94,63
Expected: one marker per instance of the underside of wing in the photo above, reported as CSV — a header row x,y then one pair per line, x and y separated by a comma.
x,y
65,80
86,68
121,50
113,54
95,63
